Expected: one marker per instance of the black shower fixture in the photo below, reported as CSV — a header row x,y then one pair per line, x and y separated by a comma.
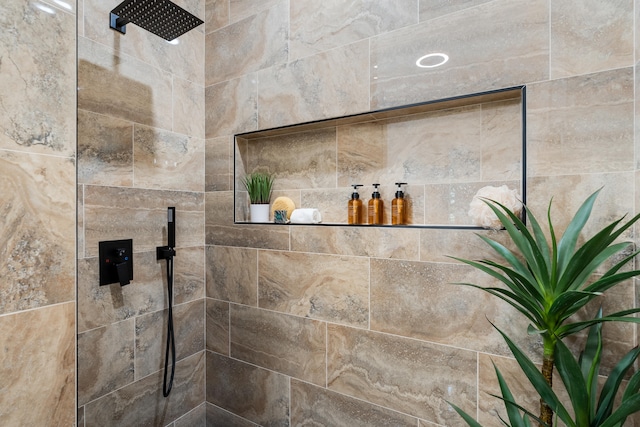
x,y
160,17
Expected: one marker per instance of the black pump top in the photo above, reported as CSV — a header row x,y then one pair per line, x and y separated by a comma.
x,y
355,195
375,194
400,193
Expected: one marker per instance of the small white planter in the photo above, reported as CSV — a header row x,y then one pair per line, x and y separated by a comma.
x,y
259,213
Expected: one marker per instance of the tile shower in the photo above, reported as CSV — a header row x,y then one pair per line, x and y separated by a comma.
x,y
280,325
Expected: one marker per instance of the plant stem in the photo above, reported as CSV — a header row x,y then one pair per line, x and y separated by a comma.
x,y
549,344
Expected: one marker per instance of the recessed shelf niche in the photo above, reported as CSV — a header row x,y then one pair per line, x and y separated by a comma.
x,y
446,150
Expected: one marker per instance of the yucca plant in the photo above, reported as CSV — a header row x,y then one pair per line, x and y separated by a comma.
x,y
549,281
259,186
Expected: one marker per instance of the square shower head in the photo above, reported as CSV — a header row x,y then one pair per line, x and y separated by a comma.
x,y
160,17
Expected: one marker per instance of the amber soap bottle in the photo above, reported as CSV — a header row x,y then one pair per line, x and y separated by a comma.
x,y
399,207
376,207
355,206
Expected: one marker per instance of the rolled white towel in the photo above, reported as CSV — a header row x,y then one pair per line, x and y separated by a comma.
x,y
306,216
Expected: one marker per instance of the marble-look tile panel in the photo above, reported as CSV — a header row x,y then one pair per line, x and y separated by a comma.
x,y
311,405
167,160
291,345
402,374
141,403
637,103
68,6
323,287
430,9
218,164
231,106
418,299
220,229
188,108
589,36
37,255
319,26
253,393
189,275
37,364
232,274
216,15
80,417
151,336
217,326
117,85
375,242
438,245
332,203
581,125
79,222
105,150
218,417
502,130
330,84
240,9
38,82
300,160
105,360
491,46
113,213
195,418
80,23
249,45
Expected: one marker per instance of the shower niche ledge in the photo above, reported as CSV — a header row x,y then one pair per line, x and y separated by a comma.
x,y
445,150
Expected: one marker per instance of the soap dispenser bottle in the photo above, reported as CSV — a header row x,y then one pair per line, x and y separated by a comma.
x,y
399,206
376,207
355,206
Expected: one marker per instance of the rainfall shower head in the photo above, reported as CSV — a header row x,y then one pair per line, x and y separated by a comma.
x,y
160,17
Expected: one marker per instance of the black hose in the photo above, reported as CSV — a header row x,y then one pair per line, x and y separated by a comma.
x,y
171,342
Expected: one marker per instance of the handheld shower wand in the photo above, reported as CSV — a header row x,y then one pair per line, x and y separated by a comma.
x,y
168,252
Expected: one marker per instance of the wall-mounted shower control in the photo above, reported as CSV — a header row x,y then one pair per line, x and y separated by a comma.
x,y
116,262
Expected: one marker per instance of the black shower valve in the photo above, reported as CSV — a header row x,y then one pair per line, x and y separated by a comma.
x,y
116,262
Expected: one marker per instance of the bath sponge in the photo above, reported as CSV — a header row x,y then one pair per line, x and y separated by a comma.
x,y
283,204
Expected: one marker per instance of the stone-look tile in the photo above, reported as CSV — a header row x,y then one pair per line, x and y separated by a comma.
x,y
142,403
240,9
637,102
253,393
218,164
151,336
68,6
502,131
319,26
231,106
570,121
232,274
105,360
80,25
375,242
167,160
405,375
218,417
438,245
415,299
38,79
216,15
220,229
80,417
122,213
332,203
217,326
105,150
323,287
430,9
330,84
189,275
79,222
196,418
590,36
291,345
300,160
514,35
40,369
246,46
188,108
37,255
317,406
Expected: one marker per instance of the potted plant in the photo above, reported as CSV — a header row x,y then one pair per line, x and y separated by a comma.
x,y
259,186
548,281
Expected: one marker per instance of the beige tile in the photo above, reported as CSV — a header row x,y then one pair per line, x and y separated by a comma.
x,y
196,418
105,360
189,274
216,14
405,375
138,403
311,405
375,242
469,38
330,84
37,364
66,6
38,79
79,223
323,287
188,108
319,26
502,132
291,345
218,164
590,36
571,121
246,46
218,417
232,274
105,150
217,326
637,110
253,393
240,9
167,160
238,113
332,203
437,245
37,256
430,9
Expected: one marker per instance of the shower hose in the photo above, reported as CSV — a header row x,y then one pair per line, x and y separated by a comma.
x,y
171,343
